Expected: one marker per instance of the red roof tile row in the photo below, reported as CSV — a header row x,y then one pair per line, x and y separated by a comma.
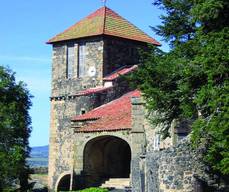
x,y
112,116
120,72
92,91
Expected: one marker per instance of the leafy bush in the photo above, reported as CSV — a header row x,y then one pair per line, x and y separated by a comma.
x,y
15,129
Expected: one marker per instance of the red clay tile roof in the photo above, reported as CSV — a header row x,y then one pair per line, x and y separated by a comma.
x,y
120,72
112,116
92,90
104,21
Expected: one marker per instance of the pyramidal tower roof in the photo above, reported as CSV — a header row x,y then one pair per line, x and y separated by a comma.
x,y
104,21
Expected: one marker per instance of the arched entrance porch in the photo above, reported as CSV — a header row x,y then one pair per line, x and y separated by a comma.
x,y
63,184
106,157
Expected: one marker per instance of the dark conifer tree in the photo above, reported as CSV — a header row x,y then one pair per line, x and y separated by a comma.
x,y
191,81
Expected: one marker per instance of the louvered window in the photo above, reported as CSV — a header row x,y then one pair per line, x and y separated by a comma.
x,y
70,61
81,61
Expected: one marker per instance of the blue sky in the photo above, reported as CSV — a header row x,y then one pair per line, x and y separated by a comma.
x,y
27,24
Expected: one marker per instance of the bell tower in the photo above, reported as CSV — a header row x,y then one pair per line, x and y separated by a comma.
x,y
83,56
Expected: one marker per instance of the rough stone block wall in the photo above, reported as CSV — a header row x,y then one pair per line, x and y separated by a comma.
x,y
61,134
61,145
170,170
120,52
180,169
151,131
61,85
138,143
63,108
65,105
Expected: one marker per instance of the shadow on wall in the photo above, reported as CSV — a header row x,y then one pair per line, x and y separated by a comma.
x,y
203,186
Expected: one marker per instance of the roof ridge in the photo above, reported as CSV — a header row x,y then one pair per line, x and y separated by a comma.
x,y
104,19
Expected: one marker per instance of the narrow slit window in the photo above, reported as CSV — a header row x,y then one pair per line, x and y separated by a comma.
x,y
81,61
157,142
70,61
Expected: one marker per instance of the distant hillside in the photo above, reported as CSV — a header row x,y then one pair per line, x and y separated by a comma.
x,y
39,156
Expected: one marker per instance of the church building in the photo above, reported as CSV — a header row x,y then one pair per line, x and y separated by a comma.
x,y
98,129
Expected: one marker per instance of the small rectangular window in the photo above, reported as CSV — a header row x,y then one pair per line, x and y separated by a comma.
x,y
81,60
82,111
70,61
157,141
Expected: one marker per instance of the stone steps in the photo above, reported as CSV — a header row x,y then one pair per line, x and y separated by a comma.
x,y
117,183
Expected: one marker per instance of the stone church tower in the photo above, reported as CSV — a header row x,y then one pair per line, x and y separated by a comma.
x,y
97,129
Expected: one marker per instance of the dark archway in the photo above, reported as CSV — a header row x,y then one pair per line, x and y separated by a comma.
x,y
106,157
64,183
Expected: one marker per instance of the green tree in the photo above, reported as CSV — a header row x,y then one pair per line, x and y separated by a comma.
x,y
14,130
191,81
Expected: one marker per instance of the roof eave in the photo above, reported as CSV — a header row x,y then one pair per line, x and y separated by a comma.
x,y
153,42
70,39
102,130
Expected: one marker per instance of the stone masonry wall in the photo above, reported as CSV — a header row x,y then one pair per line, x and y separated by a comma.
x,y
180,169
120,52
138,143
61,147
65,105
61,85
171,170
169,167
